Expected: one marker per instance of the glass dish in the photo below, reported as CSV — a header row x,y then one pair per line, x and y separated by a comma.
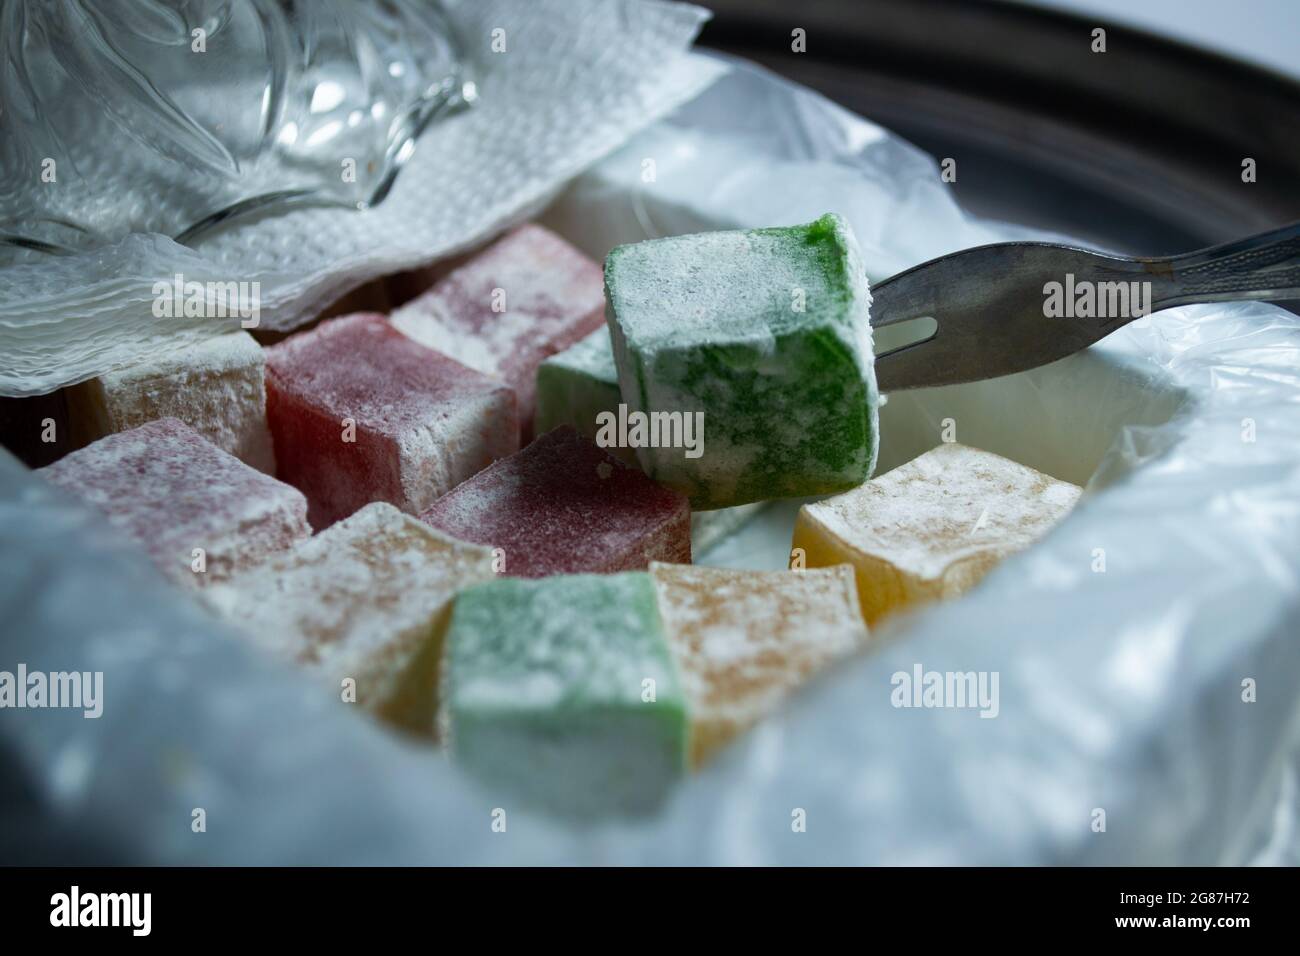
x,y
170,116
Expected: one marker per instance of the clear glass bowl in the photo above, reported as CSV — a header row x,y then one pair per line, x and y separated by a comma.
x,y
170,116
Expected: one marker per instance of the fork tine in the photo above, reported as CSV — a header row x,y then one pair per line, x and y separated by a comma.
x,y
988,305
990,302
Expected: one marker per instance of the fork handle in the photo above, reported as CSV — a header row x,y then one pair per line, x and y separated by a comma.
x,y
1263,266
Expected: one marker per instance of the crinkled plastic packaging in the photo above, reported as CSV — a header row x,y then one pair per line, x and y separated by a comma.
x,y
1146,706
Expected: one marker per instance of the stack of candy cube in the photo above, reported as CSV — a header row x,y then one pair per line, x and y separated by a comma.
x,y
526,297
487,570
588,691
579,388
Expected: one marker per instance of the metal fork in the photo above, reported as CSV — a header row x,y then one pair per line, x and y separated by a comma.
x,y
995,305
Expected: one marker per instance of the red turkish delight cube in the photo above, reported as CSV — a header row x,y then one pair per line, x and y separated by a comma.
x,y
200,512
563,505
360,413
524,298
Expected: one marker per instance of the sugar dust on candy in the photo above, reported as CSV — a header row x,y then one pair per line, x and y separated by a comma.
x,y
525,297
766,333
744,640
361,413
932,528
215,386
201,513
562,691
364,601
563,505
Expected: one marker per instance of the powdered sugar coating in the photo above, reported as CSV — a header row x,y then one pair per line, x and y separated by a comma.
x,y
525,646
173,491
732,286
365,599
575,386
215,386
527,296
744,640
562,506
563,690
767,333
950,505
423,422
592,355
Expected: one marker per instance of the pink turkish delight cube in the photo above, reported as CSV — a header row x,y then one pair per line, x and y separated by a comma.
x,y
563,505
200,512
524,298
360,413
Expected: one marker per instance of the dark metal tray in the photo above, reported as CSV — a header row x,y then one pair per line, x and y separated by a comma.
x,y
1139,148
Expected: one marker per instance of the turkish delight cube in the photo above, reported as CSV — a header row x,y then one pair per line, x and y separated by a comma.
x,y
744,640
361,413
562,691
579,385
765,332
363,607
527,296
201,513
563,506
215,386
931,528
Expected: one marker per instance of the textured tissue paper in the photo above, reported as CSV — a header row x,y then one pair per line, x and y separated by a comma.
x,y
577,78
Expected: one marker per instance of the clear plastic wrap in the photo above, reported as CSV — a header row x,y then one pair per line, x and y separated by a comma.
x,y
1145,650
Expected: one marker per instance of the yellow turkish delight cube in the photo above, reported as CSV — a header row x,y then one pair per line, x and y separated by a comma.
x,y
932,528
744,640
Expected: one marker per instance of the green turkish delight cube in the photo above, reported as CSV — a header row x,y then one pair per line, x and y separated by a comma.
x,y
563,692
766,332
576,386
